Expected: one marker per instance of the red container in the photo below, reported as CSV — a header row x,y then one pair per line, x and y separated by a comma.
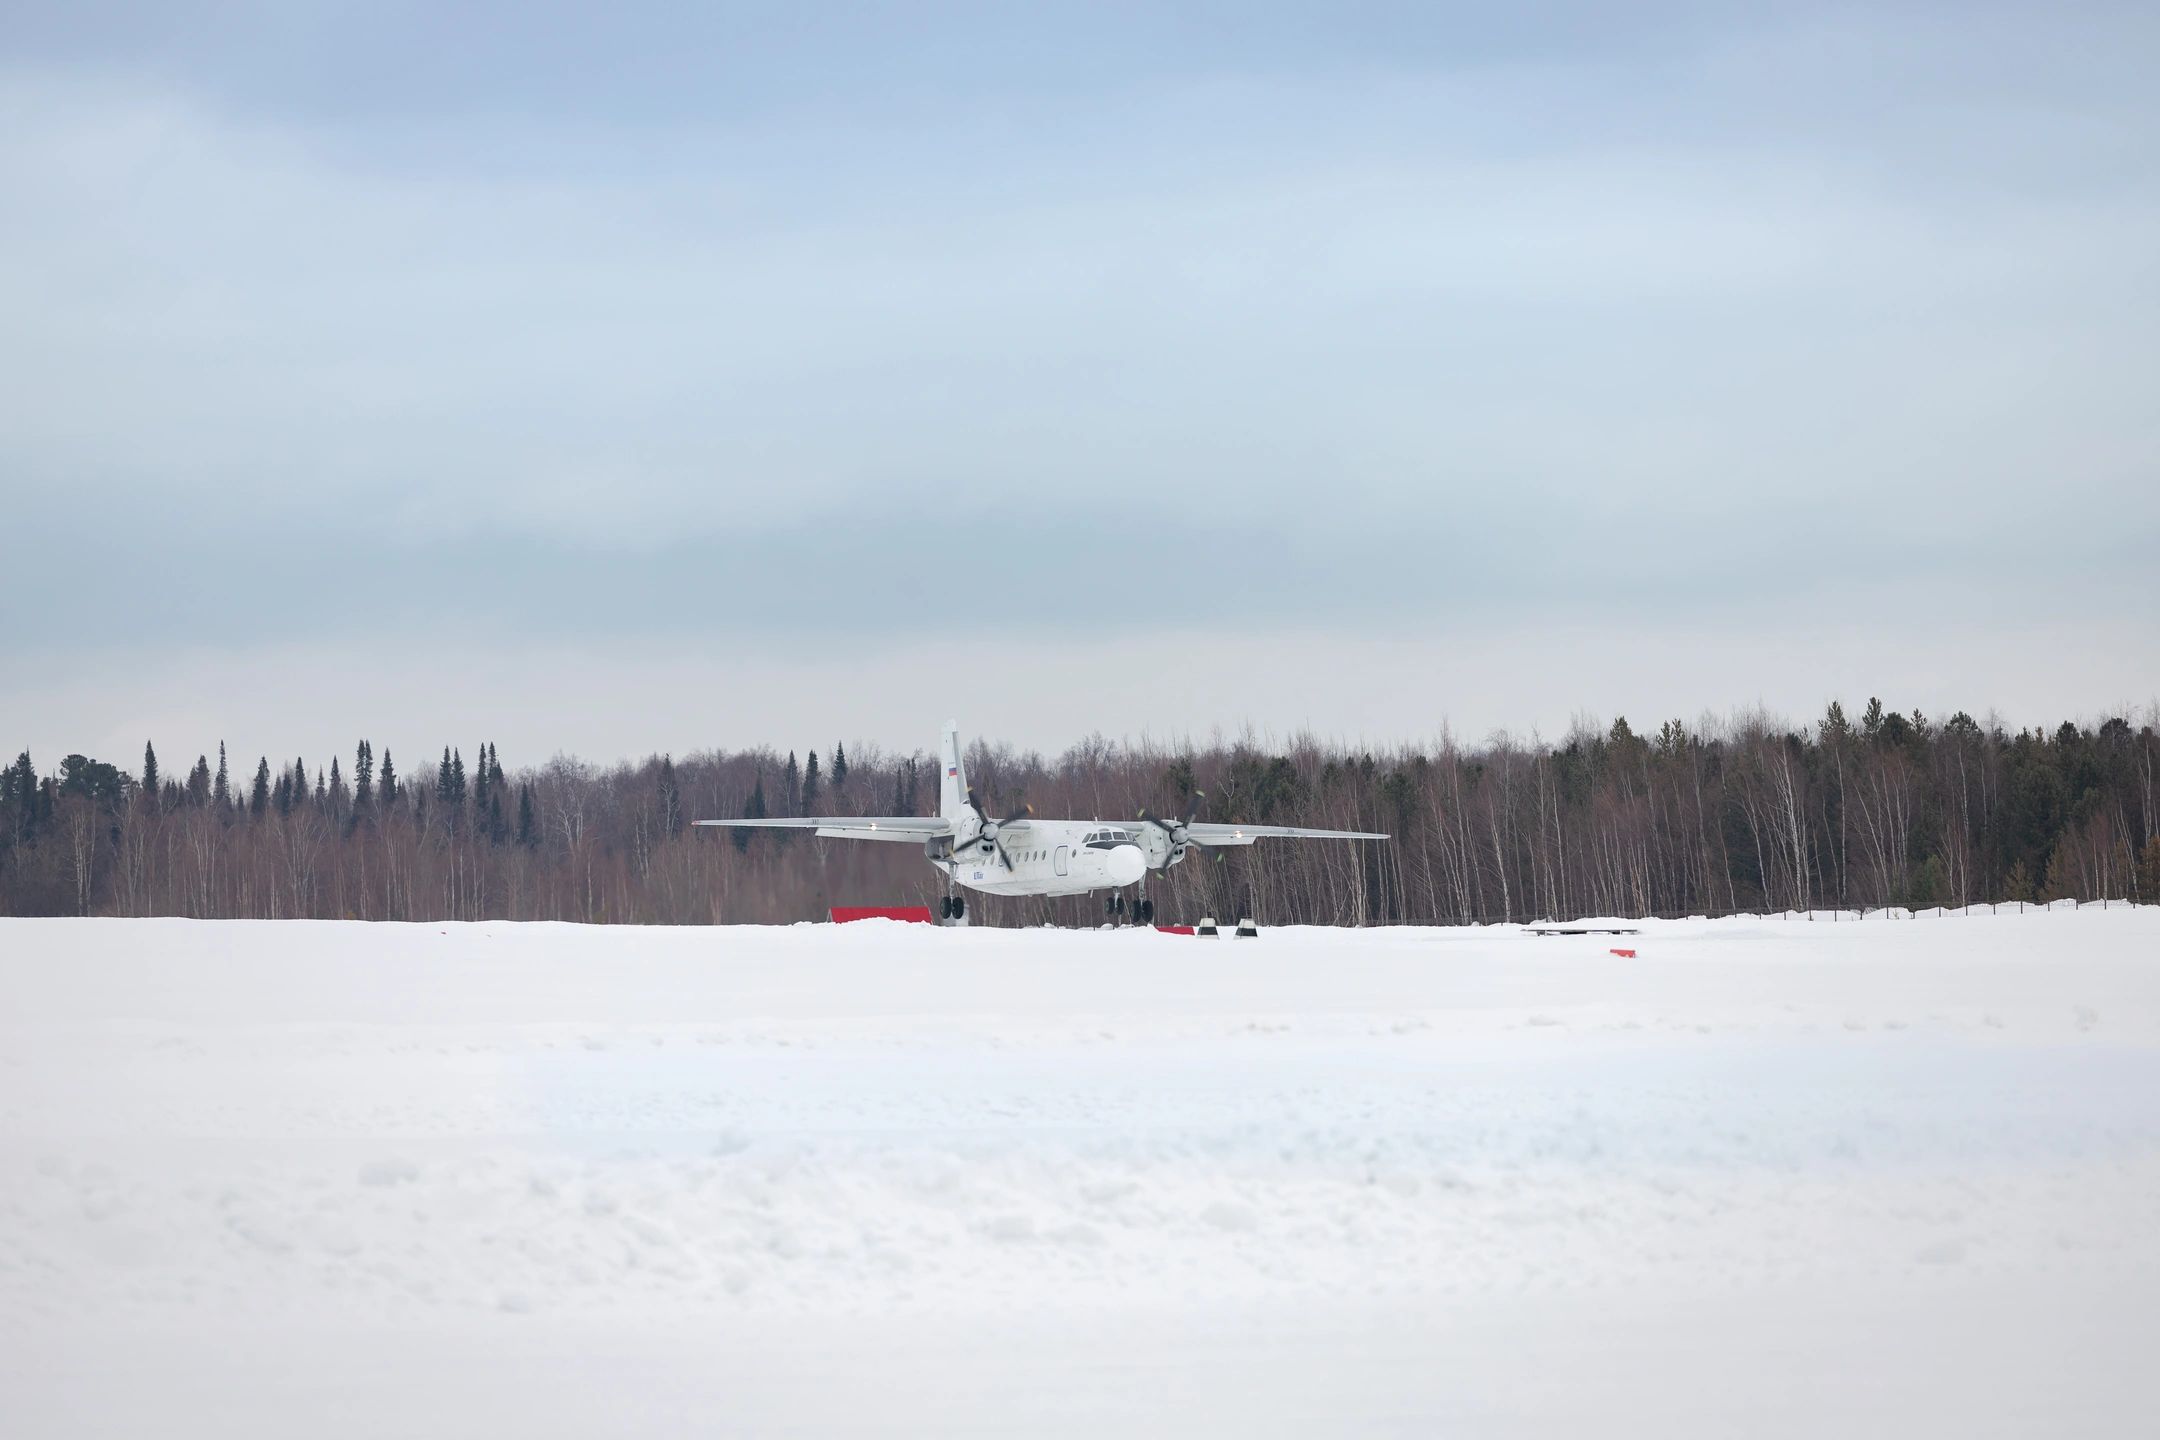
x,y
913,914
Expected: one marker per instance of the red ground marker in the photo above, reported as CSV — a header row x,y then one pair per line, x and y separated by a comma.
x,y
1625,954
1175,929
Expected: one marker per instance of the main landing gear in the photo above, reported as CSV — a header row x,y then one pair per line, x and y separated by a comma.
x,y
953,907
1138,912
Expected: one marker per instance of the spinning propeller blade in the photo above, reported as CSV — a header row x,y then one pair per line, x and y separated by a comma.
x,y
1175,829
988,834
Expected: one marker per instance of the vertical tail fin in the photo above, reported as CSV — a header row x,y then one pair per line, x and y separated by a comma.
x,y
952,776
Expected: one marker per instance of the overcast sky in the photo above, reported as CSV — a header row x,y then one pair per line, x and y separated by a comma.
x,y
644,377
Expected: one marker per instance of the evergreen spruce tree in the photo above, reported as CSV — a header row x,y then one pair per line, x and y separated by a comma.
x,y
526,835
790,787
457,778
388,790
149,772
337,784
839,765
482,787
198,782
18,801
363,770
259,798
220,791
810,785
754,810
442,776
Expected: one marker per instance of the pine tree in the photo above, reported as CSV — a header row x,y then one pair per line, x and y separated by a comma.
x,y
219,790
337,784
198,782
388,791
149,772
363,770
839,765
259,798
810,785
442,776
457,778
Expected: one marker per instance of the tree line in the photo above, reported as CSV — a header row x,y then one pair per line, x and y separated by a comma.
x,y
1747,813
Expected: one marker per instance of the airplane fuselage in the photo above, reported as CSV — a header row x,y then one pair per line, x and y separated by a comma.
x,y
1050,857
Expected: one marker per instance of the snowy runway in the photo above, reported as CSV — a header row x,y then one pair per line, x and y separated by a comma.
x,y
1885,1176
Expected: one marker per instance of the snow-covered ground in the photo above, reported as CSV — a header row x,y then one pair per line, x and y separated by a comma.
x,y
1766,1177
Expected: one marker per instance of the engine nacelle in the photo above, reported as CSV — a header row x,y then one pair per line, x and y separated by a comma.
x,y
1155,844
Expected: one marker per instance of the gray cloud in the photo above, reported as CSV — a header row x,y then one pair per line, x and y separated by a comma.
x,y
317,324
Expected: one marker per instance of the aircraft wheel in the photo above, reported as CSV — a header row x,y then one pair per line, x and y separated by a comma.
x,y
959,907
1147,912
944,907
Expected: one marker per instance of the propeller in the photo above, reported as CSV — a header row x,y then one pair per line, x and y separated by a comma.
x,y
988,834
1175,829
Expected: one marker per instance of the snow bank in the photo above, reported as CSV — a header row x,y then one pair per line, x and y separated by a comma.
x,y
1790,1172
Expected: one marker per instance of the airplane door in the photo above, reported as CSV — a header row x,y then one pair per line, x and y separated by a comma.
x,y
1059,858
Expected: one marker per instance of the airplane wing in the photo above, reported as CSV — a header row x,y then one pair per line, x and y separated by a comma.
x,y
1246,834
852,827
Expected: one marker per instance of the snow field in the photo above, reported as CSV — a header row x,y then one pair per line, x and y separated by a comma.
x,y
1122,1169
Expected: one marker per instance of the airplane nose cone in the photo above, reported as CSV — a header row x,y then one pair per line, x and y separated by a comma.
x,y
1125,864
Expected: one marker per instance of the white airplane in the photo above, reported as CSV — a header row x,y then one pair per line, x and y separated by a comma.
x,y
1022,855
